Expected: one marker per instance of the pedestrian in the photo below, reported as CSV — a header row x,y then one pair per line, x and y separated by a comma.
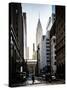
x,y
33,79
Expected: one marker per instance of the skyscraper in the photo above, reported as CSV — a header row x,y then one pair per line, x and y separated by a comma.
x,y
43,53
33,47
25,35
53,42
60,41
16,45
53,48
39,33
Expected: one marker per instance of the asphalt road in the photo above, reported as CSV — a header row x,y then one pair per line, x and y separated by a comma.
x,y
43,82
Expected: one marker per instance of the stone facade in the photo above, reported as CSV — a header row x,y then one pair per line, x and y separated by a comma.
x,y
60,40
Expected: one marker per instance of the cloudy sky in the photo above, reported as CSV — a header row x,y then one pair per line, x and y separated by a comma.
x,y
33,13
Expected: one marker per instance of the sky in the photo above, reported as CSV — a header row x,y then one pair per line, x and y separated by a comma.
x,y
33,13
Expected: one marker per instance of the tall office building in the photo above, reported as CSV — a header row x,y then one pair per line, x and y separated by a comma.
x,y
33,47
39,33
57,39
16,45
25,35
60,41
48,39
48,48
34,56
46,61
51,28
43,53
48,28
53,42
53,48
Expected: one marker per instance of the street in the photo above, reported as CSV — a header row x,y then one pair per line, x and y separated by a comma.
x,y
37,81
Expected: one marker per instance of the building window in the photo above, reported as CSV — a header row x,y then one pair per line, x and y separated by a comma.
x,y
54,40
47,39
47,57
21,69
47,42
47,46
55,57
47,49
54,63
48,60
48,53
16,11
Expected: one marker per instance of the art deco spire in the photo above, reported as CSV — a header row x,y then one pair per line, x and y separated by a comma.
x,y
39,31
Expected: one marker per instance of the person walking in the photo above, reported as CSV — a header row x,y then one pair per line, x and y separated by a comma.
x,y
32,79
